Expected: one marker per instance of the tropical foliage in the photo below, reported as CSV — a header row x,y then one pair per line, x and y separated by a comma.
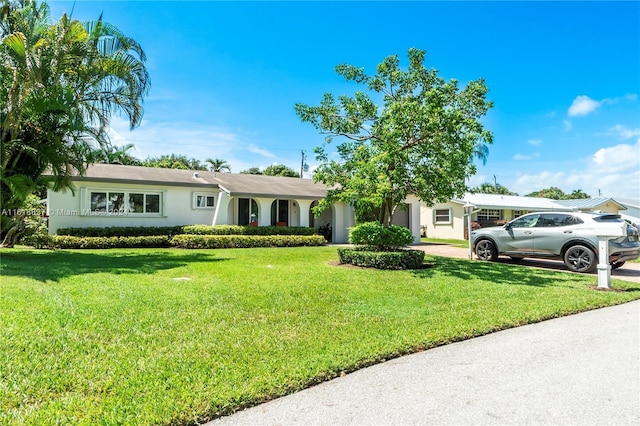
x,y
556,193
60,84
218,165
280,170
112,154
272,170
174,161
490,188
421,141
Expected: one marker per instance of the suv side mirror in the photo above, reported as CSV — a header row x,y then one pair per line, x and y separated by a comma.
x,y
507,226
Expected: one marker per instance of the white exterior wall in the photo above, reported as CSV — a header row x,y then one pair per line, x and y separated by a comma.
x,y
66,209
452,230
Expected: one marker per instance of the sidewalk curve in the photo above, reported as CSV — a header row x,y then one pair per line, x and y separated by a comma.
x,y
581,369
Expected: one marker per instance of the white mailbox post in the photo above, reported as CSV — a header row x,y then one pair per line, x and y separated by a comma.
x,y
605,232
469,209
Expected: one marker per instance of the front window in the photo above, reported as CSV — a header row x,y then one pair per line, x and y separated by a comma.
x,y
203,201
490,215
123,203
442,216
99,202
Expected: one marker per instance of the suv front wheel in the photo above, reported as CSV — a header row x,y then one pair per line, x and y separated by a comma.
x,y
580,258
486,250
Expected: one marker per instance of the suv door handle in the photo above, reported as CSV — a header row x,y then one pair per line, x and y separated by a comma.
x,y
568,232
528,232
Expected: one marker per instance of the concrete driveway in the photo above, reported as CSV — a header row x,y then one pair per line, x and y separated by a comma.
x,y
628,272
582,369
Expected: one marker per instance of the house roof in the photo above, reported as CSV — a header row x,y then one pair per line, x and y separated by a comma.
x,y
232,183
496,201
589,203
629,202
117,173
239,184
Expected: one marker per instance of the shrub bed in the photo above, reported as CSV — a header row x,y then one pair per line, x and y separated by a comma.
x,y
122,231
396,259
71,242
245,241
377,237
247,230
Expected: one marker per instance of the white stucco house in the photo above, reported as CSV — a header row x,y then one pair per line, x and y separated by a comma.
x,y
448,220
116,195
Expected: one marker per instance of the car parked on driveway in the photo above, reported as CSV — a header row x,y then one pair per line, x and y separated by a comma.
x,y
568,236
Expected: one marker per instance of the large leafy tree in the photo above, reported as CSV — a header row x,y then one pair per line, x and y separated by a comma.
x,y
252,171
280,170
174,161
490,188
421,140
555,193
60,84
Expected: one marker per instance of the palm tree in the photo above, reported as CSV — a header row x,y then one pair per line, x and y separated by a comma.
x,y
60,84
218,165
111,154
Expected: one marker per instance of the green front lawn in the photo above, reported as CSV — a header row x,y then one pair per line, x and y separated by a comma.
x,y
455,243
154,336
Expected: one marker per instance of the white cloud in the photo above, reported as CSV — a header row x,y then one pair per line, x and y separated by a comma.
x,y
522,157
617,158
625,133
611,171
257,150
191,139
583,105
535,142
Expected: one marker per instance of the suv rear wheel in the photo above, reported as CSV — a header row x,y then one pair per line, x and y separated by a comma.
x,y
580,258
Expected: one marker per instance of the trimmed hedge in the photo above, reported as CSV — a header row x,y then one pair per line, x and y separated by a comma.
x,y
247,230
122,231
71,242
245,241
397,259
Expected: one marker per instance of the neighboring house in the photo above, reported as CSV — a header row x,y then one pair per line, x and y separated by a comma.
x,y
116,195
632,212
448,220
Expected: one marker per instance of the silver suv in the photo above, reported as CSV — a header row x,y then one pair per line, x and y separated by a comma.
x,y
568,236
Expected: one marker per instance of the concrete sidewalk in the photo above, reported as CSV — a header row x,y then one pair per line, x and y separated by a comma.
x,y
582,369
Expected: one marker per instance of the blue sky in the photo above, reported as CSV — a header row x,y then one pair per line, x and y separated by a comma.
x,y
564,77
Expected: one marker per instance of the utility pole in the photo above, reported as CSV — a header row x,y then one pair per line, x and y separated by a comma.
x,y
302,163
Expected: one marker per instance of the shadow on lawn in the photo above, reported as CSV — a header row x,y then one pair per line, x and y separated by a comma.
x,y
496,272
54,265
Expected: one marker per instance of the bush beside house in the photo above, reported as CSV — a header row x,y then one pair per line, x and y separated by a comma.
x,y
381,247
192,236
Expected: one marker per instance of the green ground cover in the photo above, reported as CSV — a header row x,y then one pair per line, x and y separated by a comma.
x,y
455,243
159,336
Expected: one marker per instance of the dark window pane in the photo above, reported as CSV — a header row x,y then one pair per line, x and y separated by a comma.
x,y
99,201
136,203
116,202
152,203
